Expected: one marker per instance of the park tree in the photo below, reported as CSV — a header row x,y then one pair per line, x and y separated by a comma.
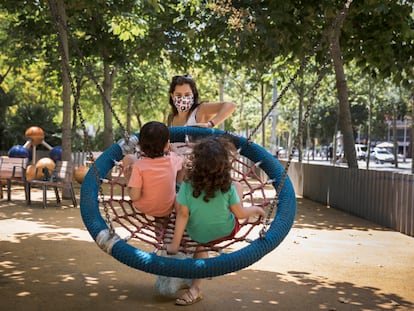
x,y
290,28
98,33
220,37
88,34
384,26
29,33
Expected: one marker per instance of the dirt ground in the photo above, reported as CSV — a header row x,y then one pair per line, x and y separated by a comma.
x,y
329,261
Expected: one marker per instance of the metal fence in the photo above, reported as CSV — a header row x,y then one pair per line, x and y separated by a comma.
x,y
385,198
81,158
78,158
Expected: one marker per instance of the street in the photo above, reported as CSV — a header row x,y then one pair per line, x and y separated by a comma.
x,y
403,167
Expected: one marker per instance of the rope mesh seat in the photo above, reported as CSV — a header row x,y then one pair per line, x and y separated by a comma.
x,y
158,232
118,211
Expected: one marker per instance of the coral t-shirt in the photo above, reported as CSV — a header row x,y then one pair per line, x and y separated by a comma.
x,y
156,178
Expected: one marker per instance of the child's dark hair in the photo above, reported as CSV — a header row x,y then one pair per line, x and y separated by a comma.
x,y
153,138
209,166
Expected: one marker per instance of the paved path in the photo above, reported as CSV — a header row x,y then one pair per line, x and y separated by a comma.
x,y
329,261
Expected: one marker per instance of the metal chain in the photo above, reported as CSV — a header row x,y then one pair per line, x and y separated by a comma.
x,y
58,21
88,66
275,201
338,20
324,37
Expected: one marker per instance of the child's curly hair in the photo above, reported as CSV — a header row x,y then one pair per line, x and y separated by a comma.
x,y
209,166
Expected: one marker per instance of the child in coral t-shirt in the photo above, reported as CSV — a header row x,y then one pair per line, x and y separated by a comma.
x,y
152,176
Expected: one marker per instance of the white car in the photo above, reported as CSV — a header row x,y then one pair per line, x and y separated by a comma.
x,y
381,155
361,151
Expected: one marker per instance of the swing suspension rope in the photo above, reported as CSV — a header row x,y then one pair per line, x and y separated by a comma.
x,y
325,37
148,230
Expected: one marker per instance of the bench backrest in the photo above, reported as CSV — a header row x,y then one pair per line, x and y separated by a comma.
x,y
12,167
63,171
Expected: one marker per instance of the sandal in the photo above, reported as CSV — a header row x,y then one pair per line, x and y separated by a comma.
x,y
188,298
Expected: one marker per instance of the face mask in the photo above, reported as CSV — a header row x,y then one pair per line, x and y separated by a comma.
x,y
183,104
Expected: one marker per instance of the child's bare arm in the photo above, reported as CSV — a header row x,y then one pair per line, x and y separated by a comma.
x,y
134,193
127,162
180,175
239,210
242,212
180,223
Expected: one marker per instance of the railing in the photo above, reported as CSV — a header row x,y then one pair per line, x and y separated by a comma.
x,y
81,158
385,198
78,158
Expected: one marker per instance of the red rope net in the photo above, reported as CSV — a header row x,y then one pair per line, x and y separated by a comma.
x,y
133,225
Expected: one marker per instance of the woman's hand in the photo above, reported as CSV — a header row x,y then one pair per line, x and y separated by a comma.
x,y
202,124
174,148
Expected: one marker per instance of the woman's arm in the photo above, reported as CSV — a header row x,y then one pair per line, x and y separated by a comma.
x,y
216,112
181,220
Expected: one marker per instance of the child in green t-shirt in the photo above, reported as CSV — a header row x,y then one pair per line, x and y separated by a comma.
x,y
208,203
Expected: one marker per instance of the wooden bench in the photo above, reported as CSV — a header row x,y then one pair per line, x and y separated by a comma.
x,y
13,170
61,177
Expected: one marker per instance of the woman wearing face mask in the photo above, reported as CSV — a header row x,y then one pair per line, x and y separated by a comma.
x,y
187,111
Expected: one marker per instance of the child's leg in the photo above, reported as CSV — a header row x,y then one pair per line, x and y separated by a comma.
x,y
200,253
160,224
193,294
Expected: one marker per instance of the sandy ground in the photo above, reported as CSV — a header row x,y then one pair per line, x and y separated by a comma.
x,y
329,261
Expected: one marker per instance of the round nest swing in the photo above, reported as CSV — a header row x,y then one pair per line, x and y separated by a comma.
x,y
102,230
151,262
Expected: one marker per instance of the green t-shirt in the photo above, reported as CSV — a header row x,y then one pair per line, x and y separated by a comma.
x,y
210,220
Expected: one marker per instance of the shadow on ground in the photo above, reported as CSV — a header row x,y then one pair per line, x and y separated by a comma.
x,y
314,215
54,271
48,261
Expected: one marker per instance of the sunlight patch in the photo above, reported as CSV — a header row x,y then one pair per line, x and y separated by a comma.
x,y
23,294
15,230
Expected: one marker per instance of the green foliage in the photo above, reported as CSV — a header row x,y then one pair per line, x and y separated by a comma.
x,y
239,44
33,115
128,28
6,100
379,36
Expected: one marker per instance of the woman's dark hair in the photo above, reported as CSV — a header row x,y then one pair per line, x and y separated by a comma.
x,y
153,138
181,80
209,166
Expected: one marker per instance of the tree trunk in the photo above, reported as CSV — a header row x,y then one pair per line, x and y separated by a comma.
x,y
262,104
345,120
301,133
221,96
129,111
370,105
66,89
394,134
412,133
107,89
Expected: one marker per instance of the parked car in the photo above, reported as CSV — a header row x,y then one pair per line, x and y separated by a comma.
x,y
361,151
381,155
